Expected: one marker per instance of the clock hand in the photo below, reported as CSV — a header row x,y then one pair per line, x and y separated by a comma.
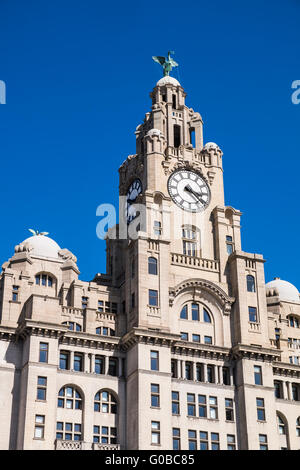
x,y
194,193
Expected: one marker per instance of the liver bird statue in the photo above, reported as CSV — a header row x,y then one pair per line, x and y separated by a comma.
x,y
167,63
36,232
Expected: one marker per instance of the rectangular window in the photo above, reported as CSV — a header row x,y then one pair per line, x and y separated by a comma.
x,y
175,403
154,360
196,338
15,293
229,409
155,432
173,368
253,314
203,440
176,438
207,339
99,365
202,406
153,297
84,302
157,227
189,248
229,244
210,374
260,405
277,389
257,375
177,139
64,358
189,371
226,375
263,442
104,435
78,362
191,404
230,442
184,336
215,441
192,438
199,373
39,428
155,395
68,431
113,366
100,305
41,388
43,353
213,408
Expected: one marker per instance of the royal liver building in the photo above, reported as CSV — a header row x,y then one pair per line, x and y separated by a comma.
x,y
180,345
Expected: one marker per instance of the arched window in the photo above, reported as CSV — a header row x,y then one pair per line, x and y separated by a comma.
x,y
70,398
105,402
281,425
298,427
152,265
72,325
43,279
250,283
206,316
196,312
184,313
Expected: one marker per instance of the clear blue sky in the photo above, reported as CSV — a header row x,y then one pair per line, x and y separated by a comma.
x,y
78,76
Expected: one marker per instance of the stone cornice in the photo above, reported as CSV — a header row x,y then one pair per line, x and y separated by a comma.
x,y
244,351
38,328
247,256
183,348
7,333
286,370
225,300
145,336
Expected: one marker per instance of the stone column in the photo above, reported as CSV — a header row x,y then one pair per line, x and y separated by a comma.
x,y
220,369
204,372
289,390
71,360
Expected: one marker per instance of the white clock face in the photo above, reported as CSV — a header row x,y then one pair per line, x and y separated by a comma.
x,y
188,190
134,190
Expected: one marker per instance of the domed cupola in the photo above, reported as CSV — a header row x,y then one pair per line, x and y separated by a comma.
x,y
39,246
286,291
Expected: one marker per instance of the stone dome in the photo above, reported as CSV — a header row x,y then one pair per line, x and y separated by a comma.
x,y
41,246
283,289
167,80
210,145
154,132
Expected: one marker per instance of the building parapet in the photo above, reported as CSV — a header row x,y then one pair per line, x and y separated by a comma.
x,y
179,259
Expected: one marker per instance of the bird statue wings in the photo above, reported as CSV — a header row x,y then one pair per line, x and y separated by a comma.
x,y
167,63
36,232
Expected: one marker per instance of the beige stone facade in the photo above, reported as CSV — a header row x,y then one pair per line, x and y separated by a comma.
x,y
180,345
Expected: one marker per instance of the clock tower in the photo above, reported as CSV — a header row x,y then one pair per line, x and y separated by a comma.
x,y
181,270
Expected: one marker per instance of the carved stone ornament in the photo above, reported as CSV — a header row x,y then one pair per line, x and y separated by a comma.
x,y
195,285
